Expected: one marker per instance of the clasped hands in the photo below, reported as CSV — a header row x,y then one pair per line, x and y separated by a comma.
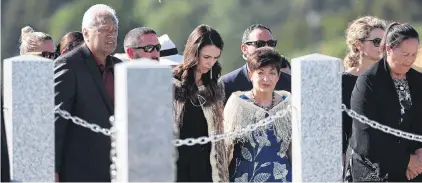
x,y
414,168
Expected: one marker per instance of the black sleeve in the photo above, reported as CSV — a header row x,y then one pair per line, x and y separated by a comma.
x,y
5,166
377,145
227,89
346,121
65,95
415,123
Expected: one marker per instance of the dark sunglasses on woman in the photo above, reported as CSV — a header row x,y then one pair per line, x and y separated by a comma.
x,y
259,44
45,54
375,41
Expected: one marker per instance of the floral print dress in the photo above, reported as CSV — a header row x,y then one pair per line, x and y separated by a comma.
x,y
260,158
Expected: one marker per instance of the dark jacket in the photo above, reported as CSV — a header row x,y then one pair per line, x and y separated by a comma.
x,y
5,167
81,154
375,97
238,80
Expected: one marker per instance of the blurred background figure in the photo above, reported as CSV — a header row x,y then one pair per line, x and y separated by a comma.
x,y
36,43
70,41
285,66
169,55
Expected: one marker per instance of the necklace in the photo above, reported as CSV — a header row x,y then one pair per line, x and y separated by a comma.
x,y
266,108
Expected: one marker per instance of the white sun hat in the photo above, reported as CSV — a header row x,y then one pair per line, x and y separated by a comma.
x,y
169,53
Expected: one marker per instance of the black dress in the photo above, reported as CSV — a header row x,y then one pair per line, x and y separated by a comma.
x,y
193,164
348,83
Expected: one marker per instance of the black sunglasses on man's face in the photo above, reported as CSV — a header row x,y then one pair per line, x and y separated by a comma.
x,y
259,43
149,48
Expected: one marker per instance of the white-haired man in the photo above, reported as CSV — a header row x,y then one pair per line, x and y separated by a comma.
x,y
86,90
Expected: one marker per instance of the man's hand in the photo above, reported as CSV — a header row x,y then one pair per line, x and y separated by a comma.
x,y
57,177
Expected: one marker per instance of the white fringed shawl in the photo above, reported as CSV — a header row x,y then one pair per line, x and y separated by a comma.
x,y
239,113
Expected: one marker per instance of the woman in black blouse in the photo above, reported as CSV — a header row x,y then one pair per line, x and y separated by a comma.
x,y
198,108
363,38
390,93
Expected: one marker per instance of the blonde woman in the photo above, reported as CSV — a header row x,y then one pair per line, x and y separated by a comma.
x,y
363,38
36,43
263,155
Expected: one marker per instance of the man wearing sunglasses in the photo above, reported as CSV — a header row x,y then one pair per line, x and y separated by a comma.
x,y
142,42
255,36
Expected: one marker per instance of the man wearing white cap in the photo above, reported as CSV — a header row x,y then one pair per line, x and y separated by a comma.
x,y
169,54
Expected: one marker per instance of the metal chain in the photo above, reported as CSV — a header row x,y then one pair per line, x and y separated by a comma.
x,y
381,127
204,140
113,151
95,128
236,133
81,122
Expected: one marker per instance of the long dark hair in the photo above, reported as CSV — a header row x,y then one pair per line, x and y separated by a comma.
x,y
200,37
395,34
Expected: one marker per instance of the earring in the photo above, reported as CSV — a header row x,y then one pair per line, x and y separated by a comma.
x,y
211,73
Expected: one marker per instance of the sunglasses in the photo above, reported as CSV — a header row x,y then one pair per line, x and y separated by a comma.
x,y
375,41
259,44
45,54
149,48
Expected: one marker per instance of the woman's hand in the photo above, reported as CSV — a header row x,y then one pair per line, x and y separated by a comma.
x,y
414,168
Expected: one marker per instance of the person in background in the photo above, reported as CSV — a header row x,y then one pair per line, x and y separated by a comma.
x,y
36,43
142,42
70,41
255,36
363,39
198,108
86,90
388,92
285,66
263,155
169,53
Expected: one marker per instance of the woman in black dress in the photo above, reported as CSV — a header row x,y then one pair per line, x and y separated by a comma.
x,y
389,92
363,38
198,108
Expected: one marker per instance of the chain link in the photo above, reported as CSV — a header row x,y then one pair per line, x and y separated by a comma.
x,y
113,151
236,133
376,125
81,122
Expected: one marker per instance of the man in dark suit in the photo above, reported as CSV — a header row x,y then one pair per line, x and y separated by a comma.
x,y
86,90
255,36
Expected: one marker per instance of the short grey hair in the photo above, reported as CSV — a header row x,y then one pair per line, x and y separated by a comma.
x,y
131,38
250,29
90,17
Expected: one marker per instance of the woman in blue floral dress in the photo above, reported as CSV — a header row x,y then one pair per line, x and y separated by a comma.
x,y
261,155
